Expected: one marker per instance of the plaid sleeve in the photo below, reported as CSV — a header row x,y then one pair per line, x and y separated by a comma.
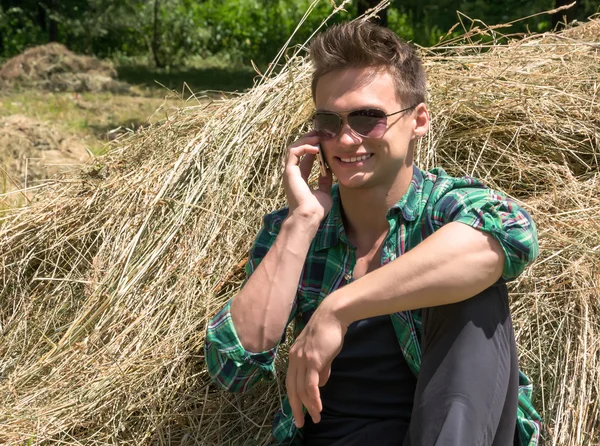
x,y
230,365
496,214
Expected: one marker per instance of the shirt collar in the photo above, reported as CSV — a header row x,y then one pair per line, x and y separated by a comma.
x,y
331,230
410,202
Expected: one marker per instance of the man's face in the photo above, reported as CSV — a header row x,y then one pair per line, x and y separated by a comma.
x,y
359,88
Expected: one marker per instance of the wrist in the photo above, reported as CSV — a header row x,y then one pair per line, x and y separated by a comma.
x,y
337,306
303,222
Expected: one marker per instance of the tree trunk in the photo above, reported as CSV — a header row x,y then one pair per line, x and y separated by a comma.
x,y
52,23
156,36
42,15
559,18
364,5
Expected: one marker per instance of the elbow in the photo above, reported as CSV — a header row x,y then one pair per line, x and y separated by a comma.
x,y
518,256
225,385
219,368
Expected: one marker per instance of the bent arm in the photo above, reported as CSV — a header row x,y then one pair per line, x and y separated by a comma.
x,y
242,339
261,310
481,237
454,264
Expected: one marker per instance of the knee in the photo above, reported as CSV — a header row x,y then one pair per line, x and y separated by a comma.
x,y
487,311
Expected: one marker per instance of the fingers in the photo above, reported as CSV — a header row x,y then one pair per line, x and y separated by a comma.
x,y
309,138
324,376
293,397
306,165
302,383
295,154
325,182
301,392
298,149
307,389
313,397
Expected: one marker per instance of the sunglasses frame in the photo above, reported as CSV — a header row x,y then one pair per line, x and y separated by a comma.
x,y
343,119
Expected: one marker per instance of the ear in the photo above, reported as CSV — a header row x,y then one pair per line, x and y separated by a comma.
x,y
421,121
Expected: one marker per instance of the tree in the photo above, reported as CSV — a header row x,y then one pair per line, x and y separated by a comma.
x,y
47,13
156,35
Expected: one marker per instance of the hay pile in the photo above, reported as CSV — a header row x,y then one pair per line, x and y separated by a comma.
x,y
32,152
53,67
108,283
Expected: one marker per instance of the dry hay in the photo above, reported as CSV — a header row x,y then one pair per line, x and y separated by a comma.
x,y
526,110
108,283
53,67
32,152
556,309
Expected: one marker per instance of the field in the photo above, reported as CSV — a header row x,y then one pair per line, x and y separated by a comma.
x,y
45,132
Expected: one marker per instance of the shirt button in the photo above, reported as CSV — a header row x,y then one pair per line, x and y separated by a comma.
x,y
348,277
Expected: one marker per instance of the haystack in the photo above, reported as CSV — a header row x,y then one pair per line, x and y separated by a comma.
x,y
32,151
53,67
109,281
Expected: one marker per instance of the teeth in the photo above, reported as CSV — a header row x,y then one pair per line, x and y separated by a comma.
x,y
354,159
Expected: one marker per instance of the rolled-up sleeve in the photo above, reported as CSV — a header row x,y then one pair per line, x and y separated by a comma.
x,y
230,365
494,213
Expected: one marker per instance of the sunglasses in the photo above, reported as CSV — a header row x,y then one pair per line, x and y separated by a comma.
x,y
367,122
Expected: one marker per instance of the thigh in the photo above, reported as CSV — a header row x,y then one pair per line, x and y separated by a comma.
x,y
468,382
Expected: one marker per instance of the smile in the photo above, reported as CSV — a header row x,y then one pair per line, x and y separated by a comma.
x,y
355,159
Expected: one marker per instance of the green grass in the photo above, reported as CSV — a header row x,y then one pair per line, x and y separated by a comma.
x,y
79,112
88,116
200,75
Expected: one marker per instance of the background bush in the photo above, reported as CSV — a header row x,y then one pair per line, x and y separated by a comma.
x,y
169,33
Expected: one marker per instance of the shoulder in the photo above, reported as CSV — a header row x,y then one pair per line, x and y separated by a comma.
x,y
441,189
441,183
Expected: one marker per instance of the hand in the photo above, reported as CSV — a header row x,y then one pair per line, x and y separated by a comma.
x,y
310,361
301,199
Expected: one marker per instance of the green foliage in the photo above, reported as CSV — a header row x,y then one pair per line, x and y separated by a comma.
x,y
257,29
400,23
169,33
430,20
18,30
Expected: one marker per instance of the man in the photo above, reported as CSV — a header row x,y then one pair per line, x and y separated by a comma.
x,y
395,277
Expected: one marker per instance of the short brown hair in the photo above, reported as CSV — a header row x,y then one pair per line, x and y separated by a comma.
x,y
364,44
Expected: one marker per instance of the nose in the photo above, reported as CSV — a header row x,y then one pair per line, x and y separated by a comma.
x,y
347,136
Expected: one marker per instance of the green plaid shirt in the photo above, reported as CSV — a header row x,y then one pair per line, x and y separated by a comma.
x,y
432,200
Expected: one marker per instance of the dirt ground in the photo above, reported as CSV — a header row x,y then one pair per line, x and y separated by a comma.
x,y
33,151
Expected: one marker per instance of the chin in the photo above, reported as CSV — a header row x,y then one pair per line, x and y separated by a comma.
x,y
355,181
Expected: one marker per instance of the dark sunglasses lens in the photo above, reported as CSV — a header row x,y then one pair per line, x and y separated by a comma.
x,y
371,123
327,124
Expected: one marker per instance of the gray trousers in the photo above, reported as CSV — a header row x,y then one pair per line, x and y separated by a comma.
x,y
467,388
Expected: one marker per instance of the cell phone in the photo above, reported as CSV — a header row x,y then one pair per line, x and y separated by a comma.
x,y
321,161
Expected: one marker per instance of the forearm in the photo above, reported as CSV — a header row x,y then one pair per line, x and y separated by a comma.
x,y
455,263
260,311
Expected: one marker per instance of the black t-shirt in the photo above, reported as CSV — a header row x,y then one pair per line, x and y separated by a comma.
x,y
370,381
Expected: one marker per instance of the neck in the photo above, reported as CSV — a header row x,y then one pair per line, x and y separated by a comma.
x,y
364,210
